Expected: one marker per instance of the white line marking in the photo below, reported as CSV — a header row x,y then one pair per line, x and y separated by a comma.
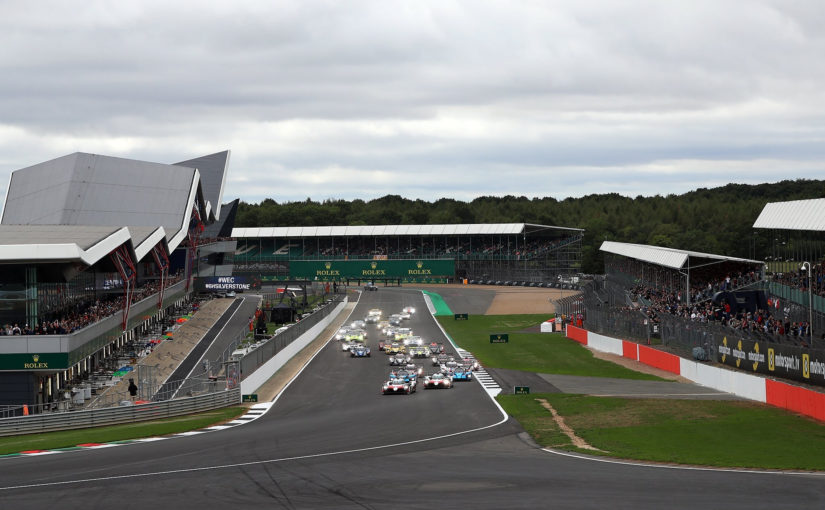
x,y
683,468
252,463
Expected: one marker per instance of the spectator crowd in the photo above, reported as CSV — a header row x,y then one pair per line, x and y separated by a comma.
x,y
83,312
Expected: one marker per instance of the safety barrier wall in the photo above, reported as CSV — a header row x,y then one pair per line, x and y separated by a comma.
x,y
49,422
658,359
254,380
753,387
794,398
605,343
630,350
577,334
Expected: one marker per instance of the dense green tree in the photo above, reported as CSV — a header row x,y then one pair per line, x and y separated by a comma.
x,y
718,220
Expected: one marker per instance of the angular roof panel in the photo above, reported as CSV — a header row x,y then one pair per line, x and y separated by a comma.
x,y
667,257
794,215
89,189
213,170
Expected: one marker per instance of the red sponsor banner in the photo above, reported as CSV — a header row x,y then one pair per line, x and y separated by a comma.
x,y
796,399
577,334
661,360
630,350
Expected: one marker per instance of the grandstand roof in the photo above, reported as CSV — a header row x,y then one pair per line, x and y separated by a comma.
x,y
395,230
794,215
667,257
59,243
88,189
213,177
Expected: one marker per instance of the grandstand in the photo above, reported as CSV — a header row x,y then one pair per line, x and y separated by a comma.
x,y
412,253
795,233
92,249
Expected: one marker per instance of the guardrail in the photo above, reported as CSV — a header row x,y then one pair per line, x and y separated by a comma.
x,y
50,422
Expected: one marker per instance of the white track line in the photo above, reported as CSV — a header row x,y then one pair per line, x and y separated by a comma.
x,y
682,468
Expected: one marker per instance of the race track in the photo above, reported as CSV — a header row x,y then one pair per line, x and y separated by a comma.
x,y
332,441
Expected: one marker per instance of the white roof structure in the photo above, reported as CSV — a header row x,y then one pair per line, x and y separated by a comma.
x,y
53,209
795,215
59,243
667,257
461,229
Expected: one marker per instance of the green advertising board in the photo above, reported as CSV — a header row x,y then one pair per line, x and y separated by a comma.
x,y
249,398
46,361
461,317
499,338
408,271
521,390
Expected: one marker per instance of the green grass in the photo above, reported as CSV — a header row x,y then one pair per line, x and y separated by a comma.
x,y
72,438
548,353
702,432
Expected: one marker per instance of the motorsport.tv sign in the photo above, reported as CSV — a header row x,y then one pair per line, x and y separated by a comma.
x,y
787,361
221,283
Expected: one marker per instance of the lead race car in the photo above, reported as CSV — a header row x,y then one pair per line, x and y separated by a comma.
x,y
394,386
436,381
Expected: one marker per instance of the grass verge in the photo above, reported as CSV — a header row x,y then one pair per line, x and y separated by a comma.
x,y
72,438
701,432
548,353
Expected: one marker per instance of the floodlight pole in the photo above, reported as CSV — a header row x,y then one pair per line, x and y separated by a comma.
x,y
810,302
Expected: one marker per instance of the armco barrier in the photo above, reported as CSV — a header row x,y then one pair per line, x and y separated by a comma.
x,y
50,422
661,360
253,381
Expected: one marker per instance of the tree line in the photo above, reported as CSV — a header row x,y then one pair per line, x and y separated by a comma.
x,y
717,220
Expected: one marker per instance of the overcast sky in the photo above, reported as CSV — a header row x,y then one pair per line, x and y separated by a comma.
x,y
349,99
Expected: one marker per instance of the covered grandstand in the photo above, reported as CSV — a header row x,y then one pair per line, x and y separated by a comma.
x,y
412,253
794,233
92,248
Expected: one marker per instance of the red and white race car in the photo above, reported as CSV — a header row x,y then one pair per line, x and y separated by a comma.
x,y
435,381
394,386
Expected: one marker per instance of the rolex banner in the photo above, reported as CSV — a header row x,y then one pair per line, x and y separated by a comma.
x,y
409,271
790,362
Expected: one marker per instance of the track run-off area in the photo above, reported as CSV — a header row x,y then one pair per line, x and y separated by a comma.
x,y
331,440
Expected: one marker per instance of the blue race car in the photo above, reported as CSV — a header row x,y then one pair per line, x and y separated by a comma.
x,y
359,351
404,375
462,374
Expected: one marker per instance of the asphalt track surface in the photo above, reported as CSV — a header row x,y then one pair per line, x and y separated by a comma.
x,y
332,441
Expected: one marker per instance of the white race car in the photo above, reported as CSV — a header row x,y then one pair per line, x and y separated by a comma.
x,y
435,381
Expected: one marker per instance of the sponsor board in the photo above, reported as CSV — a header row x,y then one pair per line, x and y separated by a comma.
x,y
461,317
499,338
222,283
521,390
43,361
786,361
422,270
